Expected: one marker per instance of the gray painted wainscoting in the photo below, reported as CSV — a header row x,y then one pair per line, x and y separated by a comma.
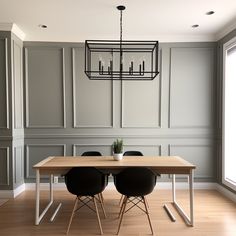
x,y
66,114
11,112
175,114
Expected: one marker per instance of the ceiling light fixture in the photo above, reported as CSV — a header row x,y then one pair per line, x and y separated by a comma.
x,y
210,13
120,59
43,26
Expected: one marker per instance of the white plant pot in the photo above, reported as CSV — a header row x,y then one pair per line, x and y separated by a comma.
x,y
118,156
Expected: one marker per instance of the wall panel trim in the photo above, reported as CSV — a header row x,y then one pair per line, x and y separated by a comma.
x,y
159,77
21,83
170,116
133,136
7,183
7,86
146,145
27,121
39,145
89,145
16,181
192,145
75,125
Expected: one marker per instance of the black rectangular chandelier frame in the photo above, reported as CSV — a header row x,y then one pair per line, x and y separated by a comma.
x,y
92,47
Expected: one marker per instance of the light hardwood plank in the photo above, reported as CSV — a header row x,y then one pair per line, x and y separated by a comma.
x,y
214,216
2,201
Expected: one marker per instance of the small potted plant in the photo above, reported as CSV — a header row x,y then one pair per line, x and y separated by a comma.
x,y
117,147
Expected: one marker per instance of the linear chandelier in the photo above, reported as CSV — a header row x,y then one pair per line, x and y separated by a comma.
x,y
120,59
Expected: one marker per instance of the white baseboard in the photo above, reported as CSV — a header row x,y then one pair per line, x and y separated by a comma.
x,y
12,193
182,185
45,186
226,192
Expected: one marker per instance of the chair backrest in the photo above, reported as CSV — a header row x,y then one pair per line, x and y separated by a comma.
x,y
91,153
133,153
135,181
85,181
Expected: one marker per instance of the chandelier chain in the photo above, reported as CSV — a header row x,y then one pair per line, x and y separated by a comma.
x,y
120,26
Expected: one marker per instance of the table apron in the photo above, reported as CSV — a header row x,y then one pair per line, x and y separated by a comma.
x,y
63,171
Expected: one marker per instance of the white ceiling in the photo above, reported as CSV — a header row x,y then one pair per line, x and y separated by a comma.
x,y
77,20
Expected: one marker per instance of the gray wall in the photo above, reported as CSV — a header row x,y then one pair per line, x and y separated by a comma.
x,y
11,112
175,114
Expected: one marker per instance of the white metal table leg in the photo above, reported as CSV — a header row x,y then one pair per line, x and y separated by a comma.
x,y
51,187
55,213
191,196
188,220
173,188
37,197
39,217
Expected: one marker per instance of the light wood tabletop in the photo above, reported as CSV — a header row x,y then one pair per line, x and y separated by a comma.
x,y
163,164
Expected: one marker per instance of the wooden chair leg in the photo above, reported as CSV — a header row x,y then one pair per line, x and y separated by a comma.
x,y
122,214
121,208
102,205
99,222
146,202
147,212
102,197
72,214
121,200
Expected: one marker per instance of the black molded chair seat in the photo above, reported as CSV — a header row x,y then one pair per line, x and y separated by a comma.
x,y
85,181
133,153
91,153
88,182
135,182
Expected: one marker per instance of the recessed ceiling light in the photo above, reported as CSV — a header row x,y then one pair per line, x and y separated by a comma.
x,y
195,26
43,26
210,13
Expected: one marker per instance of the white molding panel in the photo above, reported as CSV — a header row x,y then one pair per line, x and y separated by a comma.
x,y
6,113
141,104
44,154
91,93
104,149
19,164
191,87
204,161
5,167
62,98
18,85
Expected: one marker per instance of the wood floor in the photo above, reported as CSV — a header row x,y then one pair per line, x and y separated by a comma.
x,y
214,216
2,201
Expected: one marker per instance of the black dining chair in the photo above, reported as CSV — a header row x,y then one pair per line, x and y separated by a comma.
x,y
133,153
91,153
96,153
88,182
135,182
130,153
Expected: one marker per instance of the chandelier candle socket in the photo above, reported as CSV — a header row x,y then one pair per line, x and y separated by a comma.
x,y
117,59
